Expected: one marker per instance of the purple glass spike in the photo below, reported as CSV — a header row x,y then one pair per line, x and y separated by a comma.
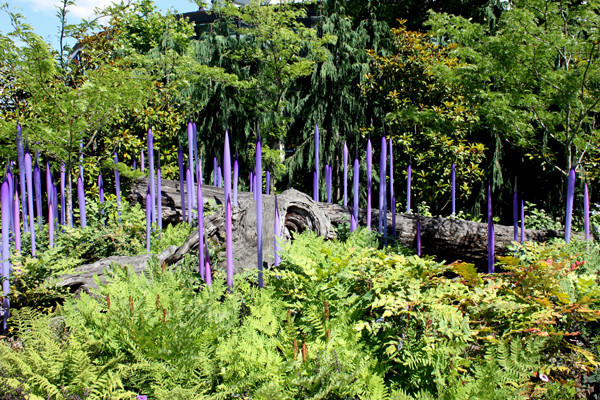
x,y
418,235
229,242
255,187
215,176
408,179
63,215
37,183
393,207
72,206
11,205
356,193
201,263
6,217
453,179
352,223
21,164
369,180
151,171
522,219
181,181
382,186
55,204
81,199
196,157
80,159
118,185
219,177
570,195
236,172
277,235
134,164
328,181
516,213
252,183
227,167
259,210
491,237
191,164
28,174
101,189
142,161
586,211
48,186
345,175
148,217
268,182
16,218
316,185
391,172
159,194
188,180
207,271
50,223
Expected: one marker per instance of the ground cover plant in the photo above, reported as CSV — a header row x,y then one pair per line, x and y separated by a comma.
x,y
337,319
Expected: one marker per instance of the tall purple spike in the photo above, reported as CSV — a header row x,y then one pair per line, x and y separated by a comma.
x,y
570,195
6,217
393,207
159,194
101,189
252,183
188,180
81,199
196,157
418,235
277,235
268,182
201,262
142,161
28,174
37,182
16,218
259,209
48,186
80,159
316,185
408,179
391,173
229,242
207,271
151,170
215,172
586,211
148,217
190,132
236,171
522,219
356,194
345,175
219,177
382,186
50,223
63,214
134,163
21,164
491,237
352,223
118,184
181,181
369,180
453,179
516,213
11,204
227,167
329,176
55,203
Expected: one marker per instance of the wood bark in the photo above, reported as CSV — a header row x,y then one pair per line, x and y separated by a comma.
x,y
447,239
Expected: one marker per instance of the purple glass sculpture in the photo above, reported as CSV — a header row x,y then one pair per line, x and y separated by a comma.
x,y
516,213
101,190
316,184
159,194
268,182
191,163
277,236
201,264
215,172
570,195
393,207
142,161
151,170
345,175
369,180
148,218
188,180
207,271
16,218
81,199
37,183
21,164
328,181
356,194
181,181
418,235
50,223
28,174
408,179
522,219
236,172
227,167
63,215
586,211
6,217
229,242
491,237
259,207
453,179
382,186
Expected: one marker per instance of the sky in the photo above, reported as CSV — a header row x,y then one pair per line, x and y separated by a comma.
x,y
41,14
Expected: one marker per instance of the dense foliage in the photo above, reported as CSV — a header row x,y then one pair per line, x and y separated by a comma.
x,y
337,319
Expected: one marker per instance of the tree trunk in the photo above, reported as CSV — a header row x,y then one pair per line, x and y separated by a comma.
x,y
447,239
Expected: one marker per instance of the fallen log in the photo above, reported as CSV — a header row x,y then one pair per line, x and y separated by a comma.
x,y
447,239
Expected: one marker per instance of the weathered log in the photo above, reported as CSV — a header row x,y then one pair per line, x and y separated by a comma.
x,y
447,239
